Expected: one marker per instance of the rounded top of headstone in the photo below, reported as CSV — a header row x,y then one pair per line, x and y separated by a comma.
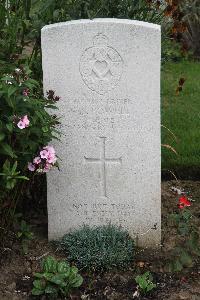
x,y
103,21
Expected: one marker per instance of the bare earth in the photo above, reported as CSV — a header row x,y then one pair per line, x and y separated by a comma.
x,y
16,269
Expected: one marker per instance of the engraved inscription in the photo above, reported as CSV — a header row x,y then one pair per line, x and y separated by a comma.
x,y
103,212
114,106
103,161
101,66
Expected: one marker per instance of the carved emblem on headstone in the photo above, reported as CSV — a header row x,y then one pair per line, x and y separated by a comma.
x,y
103,161
101,66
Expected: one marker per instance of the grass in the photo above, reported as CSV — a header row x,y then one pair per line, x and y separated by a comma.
x,y
181,114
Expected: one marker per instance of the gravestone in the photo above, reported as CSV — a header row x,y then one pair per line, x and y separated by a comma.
x,y
107,73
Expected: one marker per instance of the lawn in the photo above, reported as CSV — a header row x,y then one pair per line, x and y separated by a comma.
x,y
181,115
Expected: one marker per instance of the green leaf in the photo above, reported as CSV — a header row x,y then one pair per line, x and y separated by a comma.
x,y
50,264
186,259
177,266
74,270
2,136
11,90
39,284
150,286
10,184
51,290
6,166
19,234
58,279
137,279
187,215
45,129
47,276
63,267
8,150
14,167
9,126
22,177
77,281
183,228
37,292
51,106
149,276
38,275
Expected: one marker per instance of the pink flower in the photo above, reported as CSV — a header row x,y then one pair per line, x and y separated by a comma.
x,y
37,160
47,167
44,154
48,153
51,159
31,167
50,149
25,120
21,125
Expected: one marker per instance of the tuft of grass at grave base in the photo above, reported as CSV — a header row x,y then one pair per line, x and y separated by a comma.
x,y
181,114
99,248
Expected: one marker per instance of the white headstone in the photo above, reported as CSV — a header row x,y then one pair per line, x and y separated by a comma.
x,y
107,73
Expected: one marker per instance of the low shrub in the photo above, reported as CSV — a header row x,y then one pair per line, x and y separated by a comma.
x,y
99,248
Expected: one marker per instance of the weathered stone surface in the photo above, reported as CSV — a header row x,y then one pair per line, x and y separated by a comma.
x,y
107,72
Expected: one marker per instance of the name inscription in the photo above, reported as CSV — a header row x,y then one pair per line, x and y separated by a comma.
x,y
103,212
120,106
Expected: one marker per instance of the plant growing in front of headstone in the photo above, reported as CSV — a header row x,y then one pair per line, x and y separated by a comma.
x,y
187,246
145,282
99,248
57,278
26,128
24,235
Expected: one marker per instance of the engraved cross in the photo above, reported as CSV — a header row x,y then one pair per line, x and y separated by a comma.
x,y
102,161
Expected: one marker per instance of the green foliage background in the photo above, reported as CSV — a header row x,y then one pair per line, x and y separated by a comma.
x,y
180,113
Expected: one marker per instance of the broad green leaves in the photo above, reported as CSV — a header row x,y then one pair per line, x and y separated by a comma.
x,y
145,282
57,277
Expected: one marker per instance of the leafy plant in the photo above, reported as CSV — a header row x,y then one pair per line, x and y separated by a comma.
x,y
187,246
145,282
25,129
57,278
171,51
99,248
24,235
10,175
191,12
14,26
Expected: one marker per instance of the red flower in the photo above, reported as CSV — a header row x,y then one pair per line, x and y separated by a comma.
x,y
183,202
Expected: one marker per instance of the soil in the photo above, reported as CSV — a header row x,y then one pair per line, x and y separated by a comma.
x,y
17,270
